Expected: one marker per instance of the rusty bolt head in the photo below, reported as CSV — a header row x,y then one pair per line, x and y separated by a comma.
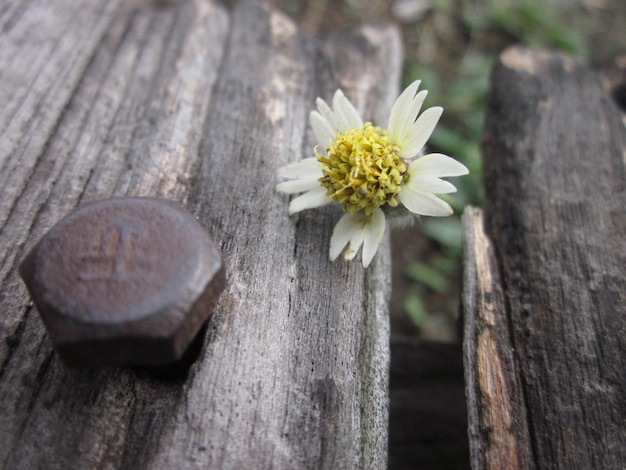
x,y
124,281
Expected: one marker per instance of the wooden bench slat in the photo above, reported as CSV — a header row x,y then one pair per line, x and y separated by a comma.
x,y
44,49
554,149
199,105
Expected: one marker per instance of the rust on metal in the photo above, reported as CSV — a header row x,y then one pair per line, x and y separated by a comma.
x,y
124,281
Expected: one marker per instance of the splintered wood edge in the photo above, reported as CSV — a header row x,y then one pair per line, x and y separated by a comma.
x,y
497,425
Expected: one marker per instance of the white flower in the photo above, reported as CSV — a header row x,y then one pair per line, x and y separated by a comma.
x,y
368,170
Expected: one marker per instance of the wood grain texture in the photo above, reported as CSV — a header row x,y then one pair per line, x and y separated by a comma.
x,y
554,149
194,103
41,67
497,424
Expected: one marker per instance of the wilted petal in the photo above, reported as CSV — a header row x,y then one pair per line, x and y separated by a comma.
x,y
342,233
355,230
373,236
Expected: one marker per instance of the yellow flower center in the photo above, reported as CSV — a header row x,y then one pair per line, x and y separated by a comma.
x,y
362,170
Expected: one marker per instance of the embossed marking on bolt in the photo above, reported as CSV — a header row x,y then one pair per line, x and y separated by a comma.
x,y
124,281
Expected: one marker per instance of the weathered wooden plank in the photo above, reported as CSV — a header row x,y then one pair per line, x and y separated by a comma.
x,y
98,139
194,104
40,67
136,117
497,423
556,190
312,336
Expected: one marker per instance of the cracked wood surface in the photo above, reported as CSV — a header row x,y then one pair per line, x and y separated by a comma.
x,y
192,102
544,281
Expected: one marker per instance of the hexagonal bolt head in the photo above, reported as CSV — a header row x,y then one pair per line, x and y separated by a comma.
x,y
124,281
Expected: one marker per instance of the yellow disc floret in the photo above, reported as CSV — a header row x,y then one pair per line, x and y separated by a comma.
x,y
362,170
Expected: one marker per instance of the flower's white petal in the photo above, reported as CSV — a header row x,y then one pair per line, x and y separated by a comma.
x,y
342,234
342,117
404,115
328,113
437,164
345,113
309,200
373,236
341,125
405,125
423,203
416,105
307,168
420,131
349,114
356,230
354,246
408,153
430,184
348,231
424,173
336,97
298,185
323,130
399,110
358,236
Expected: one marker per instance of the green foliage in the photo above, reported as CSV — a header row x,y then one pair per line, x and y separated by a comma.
x,y
293,7
428,275
536,23
447,232
463,95
415,309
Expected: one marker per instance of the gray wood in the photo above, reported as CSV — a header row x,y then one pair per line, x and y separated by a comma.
x,y
544,301
193,103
